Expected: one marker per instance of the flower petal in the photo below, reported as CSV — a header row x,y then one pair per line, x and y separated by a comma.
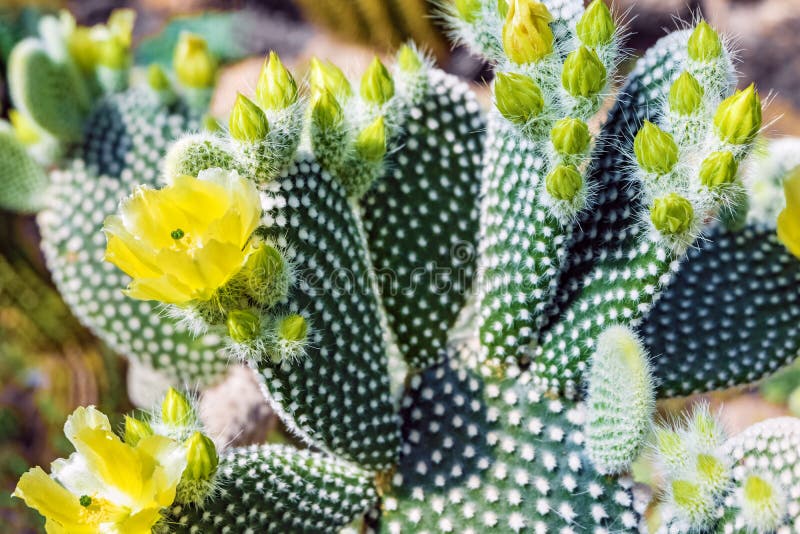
x,y
83,418
50,499
164,289
789,218
128,253
169,459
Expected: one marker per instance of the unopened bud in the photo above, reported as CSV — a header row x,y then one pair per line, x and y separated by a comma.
x,y
685,95
655,149
518,97
371,142
243,325
326,112
111,53
325,76
201,457
377,86
527,36
502,8
570,137
468,9
25,129
564,182
672,214
176,409
267,274
583,73
247,122
719,168
293,328
596,26
738,117
408,59
704,43
194,65
156,78
276,88
135,430
82,48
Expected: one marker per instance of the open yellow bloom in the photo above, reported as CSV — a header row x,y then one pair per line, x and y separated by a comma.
x,y
789,218
106,485
183,242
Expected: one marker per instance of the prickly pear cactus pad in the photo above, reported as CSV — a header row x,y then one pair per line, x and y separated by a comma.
x,y
321,236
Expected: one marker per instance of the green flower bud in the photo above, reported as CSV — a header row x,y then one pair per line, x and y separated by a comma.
x,y
176,409
408,60
194,65
672,214
468,9
135,430
157,79
377,86
583,73
267,275
112,53
685,95
570,137
527,36
276,88
247,122
517,97
82,48
293,328
371,142
596,26
326,112
704,43
502,8
655,149
738,117
563,182
717,169
325,76
243,325
201,457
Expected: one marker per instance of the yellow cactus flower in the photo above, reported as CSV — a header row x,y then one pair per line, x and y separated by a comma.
x,y
789,218
183,242
106,485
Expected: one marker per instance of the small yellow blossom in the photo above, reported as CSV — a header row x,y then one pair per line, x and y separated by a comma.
x,y
180,244
106,485
789,218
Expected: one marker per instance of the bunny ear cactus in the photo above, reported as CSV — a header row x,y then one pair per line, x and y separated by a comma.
x,y
327,237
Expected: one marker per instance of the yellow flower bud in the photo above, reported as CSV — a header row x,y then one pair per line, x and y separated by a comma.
x,y
135,430
502,8
243,325
120,23
468,9
325,111
685,95
672,214
371,142
564,182
527,36
247,123
518,97
655,149
596,26
325,76
201,457
293,328
176,409
583,73
111,53
570,137
738,117
717,169
81,48
156,78
408,60
704,43
276,88
194,65
377,86
789,218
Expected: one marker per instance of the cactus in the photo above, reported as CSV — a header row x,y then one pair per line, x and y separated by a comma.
x,y
328,236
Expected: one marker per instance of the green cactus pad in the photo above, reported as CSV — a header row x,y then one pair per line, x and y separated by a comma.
x,y
337,396
730,316
421,218
482,454
22,181
52,94
274,488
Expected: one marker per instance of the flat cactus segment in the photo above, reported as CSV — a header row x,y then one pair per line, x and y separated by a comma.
x,y
482,454
132,131
522,245
731,315
52,94
274,488
421,218
337,396
74,245
22,180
